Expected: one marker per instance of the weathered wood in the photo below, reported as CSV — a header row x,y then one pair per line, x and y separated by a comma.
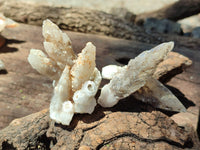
x,y
89,21
118,128
176,11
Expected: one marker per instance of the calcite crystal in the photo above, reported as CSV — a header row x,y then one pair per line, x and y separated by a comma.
x,y
136,78
156,94
75,78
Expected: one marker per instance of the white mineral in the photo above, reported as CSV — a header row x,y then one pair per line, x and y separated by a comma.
x,y
155,93
75,78
136,75
108,72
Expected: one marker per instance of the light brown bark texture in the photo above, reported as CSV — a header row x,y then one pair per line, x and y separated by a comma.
x,y
176,11
87,21
118,128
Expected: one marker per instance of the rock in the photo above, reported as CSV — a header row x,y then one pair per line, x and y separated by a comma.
x,y
196,32
162,26
123,13
115,129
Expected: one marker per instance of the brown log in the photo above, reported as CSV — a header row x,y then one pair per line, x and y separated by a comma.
x,y
88,21
174,12
121,127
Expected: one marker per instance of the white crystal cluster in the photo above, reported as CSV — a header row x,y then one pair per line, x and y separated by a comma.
x,y
136,78
75,78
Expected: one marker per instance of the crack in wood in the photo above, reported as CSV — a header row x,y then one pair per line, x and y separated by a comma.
x,y
188,143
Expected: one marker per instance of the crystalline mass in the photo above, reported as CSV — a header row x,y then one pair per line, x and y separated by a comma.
x,y
136,76
75,78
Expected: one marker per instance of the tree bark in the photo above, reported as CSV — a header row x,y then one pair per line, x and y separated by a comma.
x,y
174,12
117,128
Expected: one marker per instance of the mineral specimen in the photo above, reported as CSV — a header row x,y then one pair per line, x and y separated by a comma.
x,y
136,78
75,78
156,94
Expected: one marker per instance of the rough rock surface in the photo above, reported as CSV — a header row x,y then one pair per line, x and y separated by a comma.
x,y
162,26
121,128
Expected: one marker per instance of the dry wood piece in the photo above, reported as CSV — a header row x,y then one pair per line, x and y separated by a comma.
x,y
101,130
88,21
75,19
173,65
175,11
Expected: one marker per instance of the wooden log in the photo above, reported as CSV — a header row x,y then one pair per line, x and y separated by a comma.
x,y
88,21
121,127
176,11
